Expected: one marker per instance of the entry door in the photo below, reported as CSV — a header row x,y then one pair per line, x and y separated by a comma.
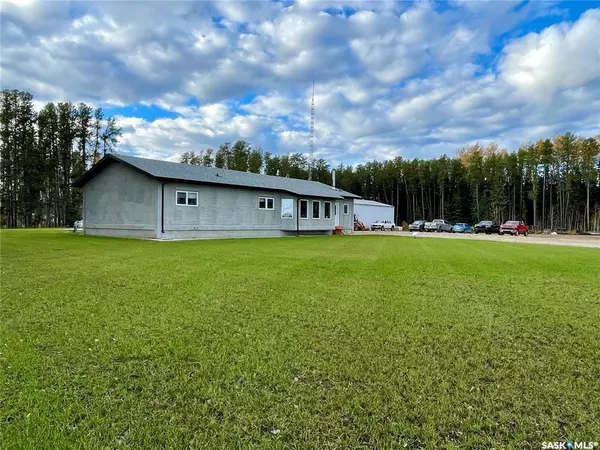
x,y
337,213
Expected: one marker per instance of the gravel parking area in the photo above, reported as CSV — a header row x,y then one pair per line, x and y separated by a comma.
x,y
572,241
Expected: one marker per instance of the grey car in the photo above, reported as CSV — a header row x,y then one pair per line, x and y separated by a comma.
x,y
438,225
417,225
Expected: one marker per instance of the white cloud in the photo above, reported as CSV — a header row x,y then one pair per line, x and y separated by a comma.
x,y
275,104
391,78
562,56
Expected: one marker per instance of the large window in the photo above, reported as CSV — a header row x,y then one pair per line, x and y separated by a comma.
x,y
327,210
304,209
316,209
186,198
266,203
287,208
346,208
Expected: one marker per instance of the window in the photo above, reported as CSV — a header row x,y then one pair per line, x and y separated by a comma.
x,y
346,208
316,205
327,210
287,208
186,198
304,209
266,203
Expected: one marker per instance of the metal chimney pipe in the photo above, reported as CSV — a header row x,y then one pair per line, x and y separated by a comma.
x,y
333,177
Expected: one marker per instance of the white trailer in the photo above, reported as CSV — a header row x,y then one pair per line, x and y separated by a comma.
x,y
369,211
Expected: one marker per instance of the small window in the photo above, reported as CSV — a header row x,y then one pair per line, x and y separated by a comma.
x,y
287,208
304,209
346,208
316,209
266,203
188,198
327,210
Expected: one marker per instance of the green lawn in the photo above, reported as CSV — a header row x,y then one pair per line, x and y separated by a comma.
x,y
302,343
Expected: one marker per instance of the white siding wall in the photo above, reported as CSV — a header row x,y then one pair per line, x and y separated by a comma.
x,y
371,213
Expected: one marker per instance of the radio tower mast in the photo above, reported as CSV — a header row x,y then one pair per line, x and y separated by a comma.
x,y
312,132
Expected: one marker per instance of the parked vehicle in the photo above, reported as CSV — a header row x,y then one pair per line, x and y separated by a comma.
x,y
383,225
462,228
78,224
514,227
417,225
438,225
487,227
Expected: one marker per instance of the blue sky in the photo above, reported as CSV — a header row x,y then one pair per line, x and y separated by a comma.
x,y
410,79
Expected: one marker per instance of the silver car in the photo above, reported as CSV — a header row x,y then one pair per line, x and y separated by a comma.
x,y
438,225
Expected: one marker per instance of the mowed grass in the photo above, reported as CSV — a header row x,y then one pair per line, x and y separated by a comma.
x,y
301,343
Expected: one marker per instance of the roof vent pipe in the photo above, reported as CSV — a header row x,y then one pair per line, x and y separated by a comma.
x,y
333,177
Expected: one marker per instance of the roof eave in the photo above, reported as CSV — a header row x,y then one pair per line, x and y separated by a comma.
x,y
92,172
336,194
99,167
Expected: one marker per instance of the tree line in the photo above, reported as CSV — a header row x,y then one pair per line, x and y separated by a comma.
x,y
244,157
42,153
552,184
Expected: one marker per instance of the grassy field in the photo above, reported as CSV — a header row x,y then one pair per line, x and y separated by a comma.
x,y
302,343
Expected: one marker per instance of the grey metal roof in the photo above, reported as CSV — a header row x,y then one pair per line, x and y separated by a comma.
x,y
197,174
372,203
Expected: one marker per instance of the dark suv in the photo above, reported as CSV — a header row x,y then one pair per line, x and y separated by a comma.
x,y
487,227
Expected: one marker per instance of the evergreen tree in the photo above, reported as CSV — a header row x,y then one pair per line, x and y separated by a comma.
x,y
552,184
110,136
97,134
255,160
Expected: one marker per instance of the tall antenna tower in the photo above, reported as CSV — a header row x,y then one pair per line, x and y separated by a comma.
x,y
312,132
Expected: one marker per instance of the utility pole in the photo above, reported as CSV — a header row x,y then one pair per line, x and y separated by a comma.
x,y
312,132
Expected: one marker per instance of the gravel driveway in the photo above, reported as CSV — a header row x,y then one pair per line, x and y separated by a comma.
x,y
572,241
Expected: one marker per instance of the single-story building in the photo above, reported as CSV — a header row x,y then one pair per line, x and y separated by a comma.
x,y
143,198
369,211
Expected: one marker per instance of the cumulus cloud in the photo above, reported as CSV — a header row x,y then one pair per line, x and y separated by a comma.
x,y
563,56
392,79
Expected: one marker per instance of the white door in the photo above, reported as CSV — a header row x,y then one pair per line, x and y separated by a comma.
x,y
337,213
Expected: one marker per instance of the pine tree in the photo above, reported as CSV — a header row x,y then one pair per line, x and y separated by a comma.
x,y
110,136
552,184
97,134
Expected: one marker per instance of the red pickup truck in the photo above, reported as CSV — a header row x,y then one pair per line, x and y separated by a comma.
x,y
514,227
